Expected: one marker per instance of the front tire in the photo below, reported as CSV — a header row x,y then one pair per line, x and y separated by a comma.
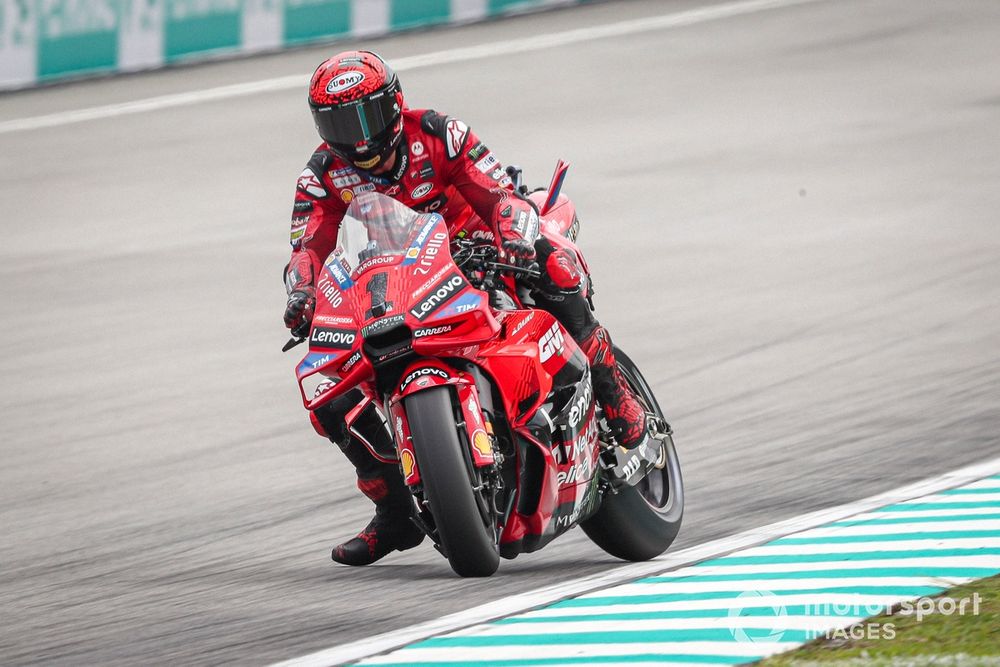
x,y
468,539
640,522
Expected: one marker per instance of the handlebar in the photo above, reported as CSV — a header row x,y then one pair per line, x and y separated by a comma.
x,y
480,261
483,258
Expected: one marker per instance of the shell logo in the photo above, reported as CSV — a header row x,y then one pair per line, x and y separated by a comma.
x,y
481,443
409,465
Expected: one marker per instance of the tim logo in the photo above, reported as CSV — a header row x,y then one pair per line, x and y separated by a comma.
x,y
551,343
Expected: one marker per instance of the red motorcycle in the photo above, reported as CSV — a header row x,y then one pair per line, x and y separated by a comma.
x,y
489,401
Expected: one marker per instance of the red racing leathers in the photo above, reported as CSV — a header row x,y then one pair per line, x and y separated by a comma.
x,y
442,167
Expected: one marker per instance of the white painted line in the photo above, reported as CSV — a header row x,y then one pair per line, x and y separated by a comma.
x,y
777,621
519,603
956,498
444,655
478,52
864,547
880,530
748,602
839,564
930,514
991,483
767,585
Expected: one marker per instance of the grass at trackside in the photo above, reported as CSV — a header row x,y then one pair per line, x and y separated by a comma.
x,y
937,639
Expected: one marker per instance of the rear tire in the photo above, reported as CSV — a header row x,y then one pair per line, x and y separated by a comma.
x,y
640,522
447,477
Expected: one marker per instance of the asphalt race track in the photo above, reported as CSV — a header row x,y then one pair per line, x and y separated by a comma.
x,y
791,217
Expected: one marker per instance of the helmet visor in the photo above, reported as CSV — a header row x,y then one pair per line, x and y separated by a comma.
x,y
357,125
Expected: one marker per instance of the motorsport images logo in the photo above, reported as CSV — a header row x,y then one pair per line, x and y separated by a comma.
x,y
765,618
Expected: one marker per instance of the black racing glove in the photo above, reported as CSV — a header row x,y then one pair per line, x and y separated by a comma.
x,y
519,252
299,311
519,230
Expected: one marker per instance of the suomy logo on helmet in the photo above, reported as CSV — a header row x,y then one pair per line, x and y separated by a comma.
x,y
344,81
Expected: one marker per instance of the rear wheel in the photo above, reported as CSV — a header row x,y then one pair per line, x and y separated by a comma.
x,y
640,522
466,530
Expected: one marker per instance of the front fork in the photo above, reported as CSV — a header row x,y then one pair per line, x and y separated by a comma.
x,y
475,429
475,432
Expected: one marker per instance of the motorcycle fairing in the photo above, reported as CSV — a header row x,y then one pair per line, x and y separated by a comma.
x,y
351,418
429,297
543,373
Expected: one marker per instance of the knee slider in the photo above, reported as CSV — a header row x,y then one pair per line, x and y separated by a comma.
x,y
561,275
563,271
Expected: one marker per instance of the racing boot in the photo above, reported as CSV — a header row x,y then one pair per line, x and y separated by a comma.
x,y
624,413
390,529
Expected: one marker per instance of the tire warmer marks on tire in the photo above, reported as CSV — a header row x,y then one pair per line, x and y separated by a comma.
x,y
751,603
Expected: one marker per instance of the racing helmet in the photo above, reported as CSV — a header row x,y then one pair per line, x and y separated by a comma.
x,y
357,105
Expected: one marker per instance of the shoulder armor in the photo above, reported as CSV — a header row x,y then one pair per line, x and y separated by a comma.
x,y
433,123
453,132
320,161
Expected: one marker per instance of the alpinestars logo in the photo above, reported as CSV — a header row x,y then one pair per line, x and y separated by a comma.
x,y
551,343
457,131
440,293
309,183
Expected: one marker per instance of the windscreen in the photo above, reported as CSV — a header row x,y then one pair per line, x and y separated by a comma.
x,y
374,226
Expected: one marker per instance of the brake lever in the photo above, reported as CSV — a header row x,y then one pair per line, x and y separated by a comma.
x,y
522,270
292,342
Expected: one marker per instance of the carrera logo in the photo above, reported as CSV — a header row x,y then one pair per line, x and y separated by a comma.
x,y
337,339
439,294
349,364
345,81
421,372
421,190
433,331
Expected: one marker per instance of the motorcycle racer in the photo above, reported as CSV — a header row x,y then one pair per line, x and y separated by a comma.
x,y
372,142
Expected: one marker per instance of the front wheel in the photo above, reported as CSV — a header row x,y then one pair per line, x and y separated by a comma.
x,y
640,522
466,535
